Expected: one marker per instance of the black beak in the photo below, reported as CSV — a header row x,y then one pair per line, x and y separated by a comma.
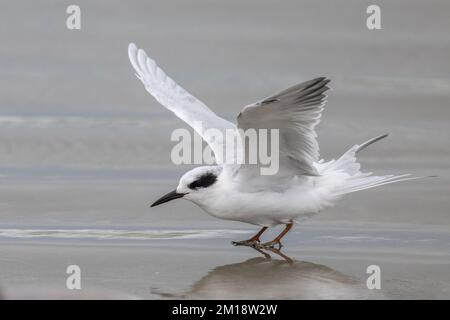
x,y
168,197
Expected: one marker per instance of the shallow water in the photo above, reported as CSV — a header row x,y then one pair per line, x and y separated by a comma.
x,y
327,263
84,150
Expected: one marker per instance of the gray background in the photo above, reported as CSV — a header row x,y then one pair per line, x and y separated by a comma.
x,y
82,145
82,142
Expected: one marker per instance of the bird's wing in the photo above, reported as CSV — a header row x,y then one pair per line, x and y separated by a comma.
x,y
295,112
185,106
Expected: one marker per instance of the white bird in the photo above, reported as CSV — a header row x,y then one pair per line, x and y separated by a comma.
x,y
303,186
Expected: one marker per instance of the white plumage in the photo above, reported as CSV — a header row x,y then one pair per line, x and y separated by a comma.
x,y
304,185
185,106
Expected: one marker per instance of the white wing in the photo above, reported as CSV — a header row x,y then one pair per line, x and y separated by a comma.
x,y
295,112
185,106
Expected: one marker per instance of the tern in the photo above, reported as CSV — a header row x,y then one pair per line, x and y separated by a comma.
x,y
304,183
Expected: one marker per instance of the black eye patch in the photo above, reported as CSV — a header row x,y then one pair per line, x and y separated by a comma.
x,y
204,181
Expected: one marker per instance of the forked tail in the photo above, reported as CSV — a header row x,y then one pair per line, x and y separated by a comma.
x,y
348,168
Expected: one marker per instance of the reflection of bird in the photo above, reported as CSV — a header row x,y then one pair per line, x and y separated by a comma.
x,y
232,190
260,278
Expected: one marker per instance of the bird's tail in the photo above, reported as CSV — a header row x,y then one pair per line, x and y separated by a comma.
x,y
348,168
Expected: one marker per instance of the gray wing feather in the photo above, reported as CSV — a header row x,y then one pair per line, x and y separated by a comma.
x,y
295,112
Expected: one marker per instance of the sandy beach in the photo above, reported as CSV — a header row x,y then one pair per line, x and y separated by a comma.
x,y
328,263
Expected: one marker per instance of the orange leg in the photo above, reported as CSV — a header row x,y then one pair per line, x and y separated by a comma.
x,y
253,241
277,240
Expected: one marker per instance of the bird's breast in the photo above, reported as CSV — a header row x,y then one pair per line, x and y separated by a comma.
x,y
262,208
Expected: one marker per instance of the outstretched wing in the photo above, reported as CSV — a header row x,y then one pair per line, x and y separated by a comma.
x,y
185,106
295,112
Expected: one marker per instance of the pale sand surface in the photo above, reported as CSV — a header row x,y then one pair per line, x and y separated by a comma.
x,y
329,263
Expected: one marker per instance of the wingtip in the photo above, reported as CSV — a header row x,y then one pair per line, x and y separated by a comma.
x,y
132,50
131,45
141,53
324,82
323,79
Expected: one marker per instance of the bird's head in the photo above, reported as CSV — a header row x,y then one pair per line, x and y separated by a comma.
x,y
194,185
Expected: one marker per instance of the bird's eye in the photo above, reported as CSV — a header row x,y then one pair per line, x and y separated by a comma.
x,y
203,181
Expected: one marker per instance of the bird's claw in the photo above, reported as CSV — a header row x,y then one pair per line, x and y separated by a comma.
x,y
271,245
258,246
247,243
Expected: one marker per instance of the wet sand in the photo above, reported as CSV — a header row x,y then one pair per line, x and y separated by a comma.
x,y
327,263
